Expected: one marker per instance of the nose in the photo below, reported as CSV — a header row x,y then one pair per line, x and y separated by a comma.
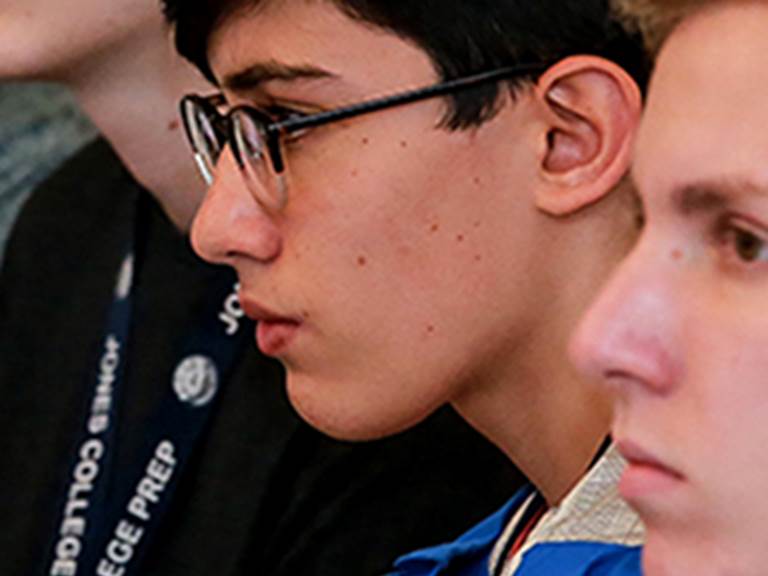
x,y
230,224
630,334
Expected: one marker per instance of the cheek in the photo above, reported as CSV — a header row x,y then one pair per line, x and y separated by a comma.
x,y
390,245
737,399
402,232
732,400
388,200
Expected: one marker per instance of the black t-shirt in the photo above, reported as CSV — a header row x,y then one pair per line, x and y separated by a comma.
x,y
264,493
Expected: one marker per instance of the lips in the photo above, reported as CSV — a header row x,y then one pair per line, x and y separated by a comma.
x,y
273,332
645,474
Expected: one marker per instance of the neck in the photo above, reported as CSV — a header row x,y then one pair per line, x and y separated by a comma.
x,y
131,94
537,409
549,422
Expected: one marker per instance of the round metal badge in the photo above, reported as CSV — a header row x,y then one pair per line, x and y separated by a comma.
x,y
196,380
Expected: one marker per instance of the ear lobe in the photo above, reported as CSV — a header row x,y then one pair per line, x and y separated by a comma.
x,y
592,108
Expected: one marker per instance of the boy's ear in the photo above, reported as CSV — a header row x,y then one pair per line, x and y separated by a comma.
x,y
591,109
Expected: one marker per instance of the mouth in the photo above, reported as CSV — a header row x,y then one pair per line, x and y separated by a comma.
x,y
274,332
645,474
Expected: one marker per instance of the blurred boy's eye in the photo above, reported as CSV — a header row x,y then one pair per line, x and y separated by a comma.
x,y
747,246
744,243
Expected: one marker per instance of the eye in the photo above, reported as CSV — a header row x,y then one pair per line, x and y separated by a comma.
x,y
747,246
284,113
743,242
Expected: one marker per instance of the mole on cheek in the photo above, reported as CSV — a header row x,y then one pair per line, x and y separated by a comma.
x,y
362,261
173,125
434,228
430,329
403,143
364,141
460,238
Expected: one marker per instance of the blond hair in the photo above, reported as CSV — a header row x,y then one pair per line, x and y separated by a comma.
x,y
656,19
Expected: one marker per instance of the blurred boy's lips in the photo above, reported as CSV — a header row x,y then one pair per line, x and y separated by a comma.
x,y
646,474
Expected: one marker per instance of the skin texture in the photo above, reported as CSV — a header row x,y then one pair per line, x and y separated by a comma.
x,y
679,334
415,260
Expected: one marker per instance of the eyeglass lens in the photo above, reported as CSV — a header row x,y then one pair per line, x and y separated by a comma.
x,y
248,142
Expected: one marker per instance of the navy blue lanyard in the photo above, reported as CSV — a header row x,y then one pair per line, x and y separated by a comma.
x,y
110,513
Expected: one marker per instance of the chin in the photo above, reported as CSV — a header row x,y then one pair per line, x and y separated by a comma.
x,y
344,417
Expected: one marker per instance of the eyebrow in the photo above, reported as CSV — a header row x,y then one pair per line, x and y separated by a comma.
x,y
703,197
255,75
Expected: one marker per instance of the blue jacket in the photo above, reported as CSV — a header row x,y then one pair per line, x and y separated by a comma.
x,y
591,533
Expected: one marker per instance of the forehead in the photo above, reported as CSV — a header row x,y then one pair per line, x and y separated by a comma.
x,y
707,112
304,33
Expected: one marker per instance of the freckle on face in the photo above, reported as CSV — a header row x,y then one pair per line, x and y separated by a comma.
x,y
434,228
173,125
404,144
364,141
677,254
431,329
460,238
362,261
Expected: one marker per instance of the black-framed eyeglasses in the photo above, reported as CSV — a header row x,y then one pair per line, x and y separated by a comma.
x,y
256,138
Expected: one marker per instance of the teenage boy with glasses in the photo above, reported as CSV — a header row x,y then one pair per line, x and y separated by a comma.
x,y
259,486
419,199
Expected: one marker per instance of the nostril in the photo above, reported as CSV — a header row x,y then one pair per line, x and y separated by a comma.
x,y
616,374
615,379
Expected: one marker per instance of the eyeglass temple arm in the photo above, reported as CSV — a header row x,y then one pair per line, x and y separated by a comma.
x,y
436,90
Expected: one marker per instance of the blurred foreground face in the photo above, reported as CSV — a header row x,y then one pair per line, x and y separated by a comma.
x,y
681,332
394,277
53,39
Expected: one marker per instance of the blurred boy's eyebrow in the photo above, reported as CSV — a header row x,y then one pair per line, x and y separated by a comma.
x,y
255,75
714,195
699,198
